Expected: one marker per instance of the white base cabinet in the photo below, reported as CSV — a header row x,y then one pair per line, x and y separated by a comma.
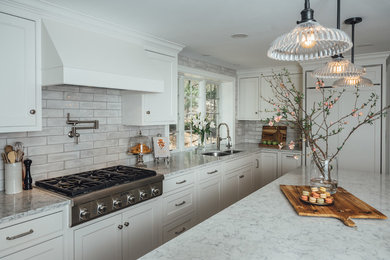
x,y
289,162
127,235
268,167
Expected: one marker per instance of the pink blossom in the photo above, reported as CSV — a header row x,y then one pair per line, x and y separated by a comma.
x,y
354,115
270,123
296,157
330,106
336,99
345,122
317,87
326,104
360,113
280,146
314,149
291,145
293,113
277,118
331,122
282,85
278,110
287,94
353,110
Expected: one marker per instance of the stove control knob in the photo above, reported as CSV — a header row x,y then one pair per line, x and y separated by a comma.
x,y
143,195
155,191
101,209
84,214
130,199
117,203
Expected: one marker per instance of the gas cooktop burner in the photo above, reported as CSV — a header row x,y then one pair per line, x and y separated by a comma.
x,y
85,182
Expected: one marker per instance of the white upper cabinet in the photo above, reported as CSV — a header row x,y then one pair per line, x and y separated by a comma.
x,y
254,90
248,98
20,98
154,109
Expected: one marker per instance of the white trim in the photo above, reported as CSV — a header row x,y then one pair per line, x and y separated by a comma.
x,y
203,74
47,10
268,70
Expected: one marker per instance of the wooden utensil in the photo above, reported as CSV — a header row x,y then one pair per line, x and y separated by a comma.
x,y
345,207
12,157
5,158
8,149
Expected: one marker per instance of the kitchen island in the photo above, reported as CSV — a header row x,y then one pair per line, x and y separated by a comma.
x,y
265,226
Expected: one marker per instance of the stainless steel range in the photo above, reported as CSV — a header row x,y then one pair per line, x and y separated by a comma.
x,y
100,192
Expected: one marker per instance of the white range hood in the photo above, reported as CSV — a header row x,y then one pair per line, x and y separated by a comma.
x,y
73,56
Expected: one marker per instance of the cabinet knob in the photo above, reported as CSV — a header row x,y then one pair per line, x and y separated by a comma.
x,y
120,226
32,111
256,113
148,112
126,224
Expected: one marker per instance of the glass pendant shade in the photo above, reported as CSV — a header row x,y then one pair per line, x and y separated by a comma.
x,y
339,68
309,40
353,82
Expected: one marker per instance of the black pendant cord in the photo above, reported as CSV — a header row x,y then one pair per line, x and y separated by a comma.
x,y
307,14
352,21
338,26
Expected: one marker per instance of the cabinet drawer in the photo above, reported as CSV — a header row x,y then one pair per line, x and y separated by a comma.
x,y
30,230
238,163
178,227
178,204
178,182
209,172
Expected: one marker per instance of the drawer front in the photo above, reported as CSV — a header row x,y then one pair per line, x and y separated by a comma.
x,y
209,172
30,230
238,163
178,182
178,227
178,204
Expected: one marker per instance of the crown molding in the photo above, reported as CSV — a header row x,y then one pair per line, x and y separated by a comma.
x,y
294,69
46,10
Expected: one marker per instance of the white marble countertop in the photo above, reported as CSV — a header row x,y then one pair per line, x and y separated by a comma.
x,y
182,161
265,226
27,203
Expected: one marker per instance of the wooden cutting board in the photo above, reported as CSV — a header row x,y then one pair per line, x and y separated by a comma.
x,y
345,207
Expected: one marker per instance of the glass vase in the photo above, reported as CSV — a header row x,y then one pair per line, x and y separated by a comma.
x,y
324,173
201,144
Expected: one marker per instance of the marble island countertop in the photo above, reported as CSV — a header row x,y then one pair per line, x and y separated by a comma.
x,y
27,203
182,161
265,226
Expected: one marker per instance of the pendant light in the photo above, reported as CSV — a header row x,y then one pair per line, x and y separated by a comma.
x,y
357,81
309,40
338,67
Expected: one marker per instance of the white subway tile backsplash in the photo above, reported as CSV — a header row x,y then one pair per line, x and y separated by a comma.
x,y
60,157
47,149
55,154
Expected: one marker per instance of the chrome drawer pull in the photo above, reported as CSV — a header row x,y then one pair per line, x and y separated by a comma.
x,y
213,172
181,231
20,235
242,176
181,182
257,163
180,204
290,156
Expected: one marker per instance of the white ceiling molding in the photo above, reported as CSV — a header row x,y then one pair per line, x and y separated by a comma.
x,y
293,69
46,10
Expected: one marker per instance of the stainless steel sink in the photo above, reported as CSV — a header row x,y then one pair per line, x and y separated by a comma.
x,y
219,153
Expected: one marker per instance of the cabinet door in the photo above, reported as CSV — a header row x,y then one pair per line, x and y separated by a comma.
x,y
162,108
289,162
230,188
248,99
269,167
141,229
245,182
266,109
99,241
52,249
257,178
20,96
209,198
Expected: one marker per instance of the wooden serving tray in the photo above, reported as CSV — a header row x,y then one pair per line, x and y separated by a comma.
x,y
345,207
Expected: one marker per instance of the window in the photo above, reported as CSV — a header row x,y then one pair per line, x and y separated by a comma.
x,y
196,96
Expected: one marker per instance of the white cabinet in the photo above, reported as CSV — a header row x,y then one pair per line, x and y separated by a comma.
x,y
99,241
141,231
209,192
269,167
230,190
52,249
178,227
245,184
257,177
127,235
289,162
154,109
248,98
20,99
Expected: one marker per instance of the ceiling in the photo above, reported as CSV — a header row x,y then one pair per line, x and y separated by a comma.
x,y
205,27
